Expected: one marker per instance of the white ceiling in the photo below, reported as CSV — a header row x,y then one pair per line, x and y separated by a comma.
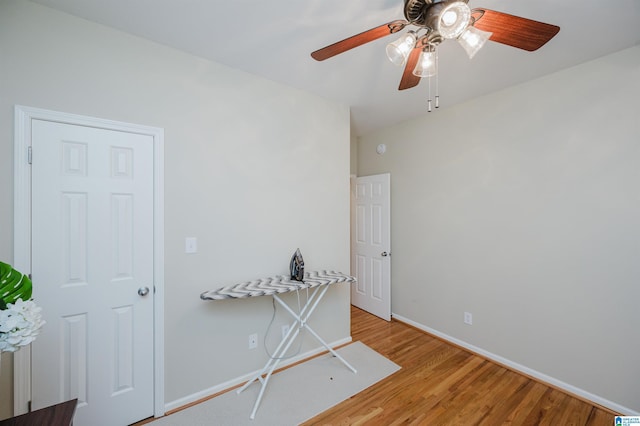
x,y
273,39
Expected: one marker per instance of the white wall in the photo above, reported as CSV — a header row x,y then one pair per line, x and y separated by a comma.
x,y
250,165
523,208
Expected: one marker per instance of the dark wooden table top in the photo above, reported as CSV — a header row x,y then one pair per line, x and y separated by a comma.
x,y
56,415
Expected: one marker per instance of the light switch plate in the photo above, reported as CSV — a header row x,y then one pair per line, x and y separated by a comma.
x,y
191,245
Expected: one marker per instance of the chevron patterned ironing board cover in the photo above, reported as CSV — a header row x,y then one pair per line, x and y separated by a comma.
x,y
276,285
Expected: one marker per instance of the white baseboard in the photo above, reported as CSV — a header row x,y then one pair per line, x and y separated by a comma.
x,y
581,393
189,399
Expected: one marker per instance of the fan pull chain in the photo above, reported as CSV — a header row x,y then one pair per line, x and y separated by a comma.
x,y
437,77
429,98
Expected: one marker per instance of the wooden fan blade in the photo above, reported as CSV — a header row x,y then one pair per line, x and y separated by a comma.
x,y
513,30
410,80
358,40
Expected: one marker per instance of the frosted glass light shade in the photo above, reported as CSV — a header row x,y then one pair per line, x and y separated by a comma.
x,y
472,39
453,19
427,65
399,50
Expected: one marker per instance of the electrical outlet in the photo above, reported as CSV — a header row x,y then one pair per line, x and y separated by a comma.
x,y
253,341
468,318
285,330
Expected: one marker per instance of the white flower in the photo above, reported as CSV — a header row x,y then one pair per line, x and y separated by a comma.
x,y
20,323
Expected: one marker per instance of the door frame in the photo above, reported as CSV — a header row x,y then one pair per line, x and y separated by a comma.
x,y
22,235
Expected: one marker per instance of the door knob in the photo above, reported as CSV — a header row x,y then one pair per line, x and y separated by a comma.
x,y
143,291
385,254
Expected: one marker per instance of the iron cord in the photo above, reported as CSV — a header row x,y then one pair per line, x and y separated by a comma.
x,y
269,327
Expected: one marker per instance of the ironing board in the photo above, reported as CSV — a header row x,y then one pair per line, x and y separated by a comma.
x,y
318,281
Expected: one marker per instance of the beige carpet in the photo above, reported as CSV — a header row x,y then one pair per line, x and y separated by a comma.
x,y
293,395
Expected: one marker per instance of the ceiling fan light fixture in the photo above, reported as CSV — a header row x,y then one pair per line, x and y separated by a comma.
x,y
450,18
427,65
472,39
399,50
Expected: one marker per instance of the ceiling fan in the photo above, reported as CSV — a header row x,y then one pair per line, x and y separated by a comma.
x,y
440,20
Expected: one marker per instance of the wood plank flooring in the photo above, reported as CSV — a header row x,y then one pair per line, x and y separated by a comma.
x,y
441,384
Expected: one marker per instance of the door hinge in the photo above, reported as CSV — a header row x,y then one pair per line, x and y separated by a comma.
x,y
29,155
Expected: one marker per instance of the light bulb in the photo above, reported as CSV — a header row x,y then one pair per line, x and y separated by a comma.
x,y
454,18
399,50
472,40
449,17
427,65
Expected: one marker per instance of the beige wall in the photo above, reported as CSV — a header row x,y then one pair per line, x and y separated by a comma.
x,y
523,208
249,165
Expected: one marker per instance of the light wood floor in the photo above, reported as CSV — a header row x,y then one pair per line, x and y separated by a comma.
x,y
441,384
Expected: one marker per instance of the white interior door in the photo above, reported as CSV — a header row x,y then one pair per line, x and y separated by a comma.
x,y
372,245
92,263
